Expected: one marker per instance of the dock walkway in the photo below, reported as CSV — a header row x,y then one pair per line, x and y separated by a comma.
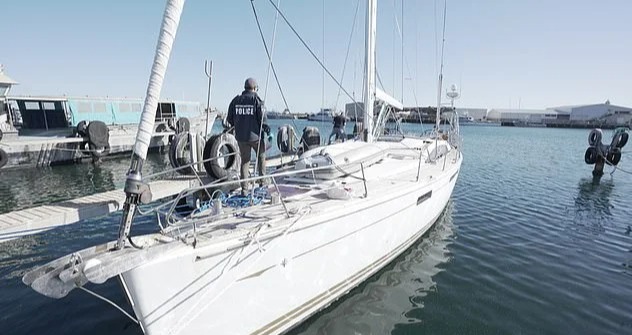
x,y
38,219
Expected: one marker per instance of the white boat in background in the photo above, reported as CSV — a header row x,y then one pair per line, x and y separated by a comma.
x,y
263,263
325,115
283,115
465,119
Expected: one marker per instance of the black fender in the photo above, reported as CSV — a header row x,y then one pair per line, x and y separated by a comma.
x,y
216,146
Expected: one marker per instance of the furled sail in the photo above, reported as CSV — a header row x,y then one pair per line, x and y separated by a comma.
x,y
168,31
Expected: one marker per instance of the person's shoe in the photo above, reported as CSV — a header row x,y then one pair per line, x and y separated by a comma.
x,y
264,182
245,190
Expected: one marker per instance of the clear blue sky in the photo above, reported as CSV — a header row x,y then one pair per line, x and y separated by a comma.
x,y
537,53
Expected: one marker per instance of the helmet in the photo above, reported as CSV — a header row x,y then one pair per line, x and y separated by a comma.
x,y
250,84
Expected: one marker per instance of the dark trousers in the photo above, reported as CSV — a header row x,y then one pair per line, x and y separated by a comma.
x,y
245,153
339,133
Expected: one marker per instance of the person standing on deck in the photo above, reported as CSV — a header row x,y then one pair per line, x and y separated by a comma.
x,y
339,128
245,113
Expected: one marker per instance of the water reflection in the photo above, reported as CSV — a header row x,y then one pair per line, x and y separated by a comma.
x,y
28,187
391,298
592,204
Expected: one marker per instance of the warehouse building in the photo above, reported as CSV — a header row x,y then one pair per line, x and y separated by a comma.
x,y
521,115
605,113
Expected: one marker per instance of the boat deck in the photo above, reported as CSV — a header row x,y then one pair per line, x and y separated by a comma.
x,y
33,220
386,177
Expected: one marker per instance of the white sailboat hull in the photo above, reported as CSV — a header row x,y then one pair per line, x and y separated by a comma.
x,y
283,280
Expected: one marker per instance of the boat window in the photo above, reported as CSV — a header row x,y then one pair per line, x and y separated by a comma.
x,y
84,107
125,107
165,111
31,105
99,107
48,106
42,114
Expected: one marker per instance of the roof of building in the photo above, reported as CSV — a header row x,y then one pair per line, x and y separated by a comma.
x,y
569,108
521,111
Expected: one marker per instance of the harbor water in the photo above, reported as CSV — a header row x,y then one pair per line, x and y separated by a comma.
x,y
529,244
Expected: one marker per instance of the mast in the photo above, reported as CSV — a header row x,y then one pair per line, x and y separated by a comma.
x,y
440,83
133,185
369,83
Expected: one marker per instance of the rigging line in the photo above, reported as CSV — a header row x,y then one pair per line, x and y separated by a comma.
x,y
379,79
311,51
322,103
274,30
402,33
322,118
276,78
265,45
436,33
344,66
109,302
394,34
404,60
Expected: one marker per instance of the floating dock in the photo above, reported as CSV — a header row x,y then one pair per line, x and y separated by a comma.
x,y
34,220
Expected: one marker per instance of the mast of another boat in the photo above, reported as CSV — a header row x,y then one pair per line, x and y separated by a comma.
x,y
369,82
134,187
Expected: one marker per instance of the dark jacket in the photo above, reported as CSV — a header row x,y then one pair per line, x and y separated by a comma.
x,y
339,121
246,115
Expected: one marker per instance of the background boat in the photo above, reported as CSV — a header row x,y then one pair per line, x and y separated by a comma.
x,y
325,115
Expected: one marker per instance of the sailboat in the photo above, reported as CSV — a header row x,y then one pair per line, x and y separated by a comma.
x,y
327,222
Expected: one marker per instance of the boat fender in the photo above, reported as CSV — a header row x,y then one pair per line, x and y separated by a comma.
x,y
180,156
98,139
594,138
310,138
172,150
4,158
82,128
613,157
590,157
215,147
619,140
183,125
285,139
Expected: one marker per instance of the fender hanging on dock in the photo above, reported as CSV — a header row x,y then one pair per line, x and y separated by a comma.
x,y
215,147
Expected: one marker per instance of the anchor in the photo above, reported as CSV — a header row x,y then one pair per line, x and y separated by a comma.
x,y
601,154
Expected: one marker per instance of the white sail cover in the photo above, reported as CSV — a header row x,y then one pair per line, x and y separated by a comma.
x,y
168,31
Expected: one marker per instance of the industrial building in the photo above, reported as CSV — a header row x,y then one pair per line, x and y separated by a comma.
x,y
529,116
605,114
